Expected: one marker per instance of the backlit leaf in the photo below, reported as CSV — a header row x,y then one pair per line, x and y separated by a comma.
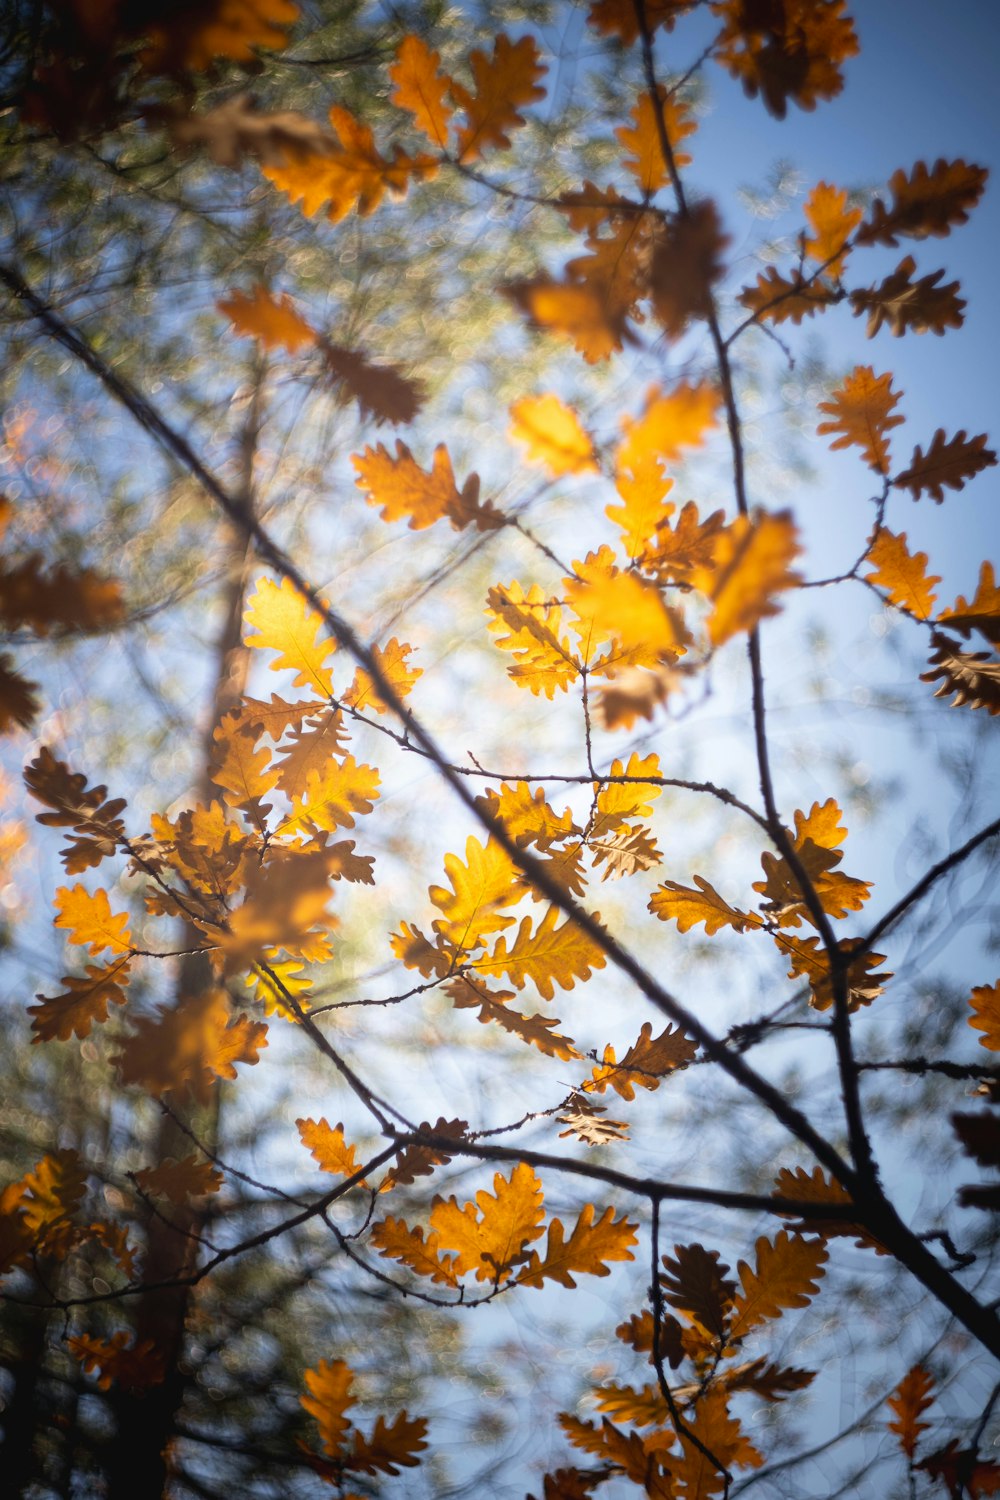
x,y
582,313
83,1005
832,224
687,907
391,1446
287,624
589,1122
641,139
91,922
397,1241
133,1367
787,1273
751,565
271,320
329,1384
985,1005
546,955
468,992
363,693
695,1282
647,1060
504,84
791,51
97,828
902,573
973,676
528,625
486,882
911,1398
587,1251
179,1181
187,1048
421,89
778,299
672,421
553,434
351,173
328,1147
404,490
861,412
619,17
489,1236
981,613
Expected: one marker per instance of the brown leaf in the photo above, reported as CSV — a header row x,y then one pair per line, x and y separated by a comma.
x,y
588,1249
382,391
188,1048
95,821
686,265
694,1281
909,1401
980,1137
973,676
647,1061
902,304
948,461
926,201
791,51
468,992
586,1121
981,613
787,1273
84,1003
777,298
234,130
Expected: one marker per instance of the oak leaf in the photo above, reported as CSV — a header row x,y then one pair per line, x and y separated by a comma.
x,y
961,1468
619,17
528,625
526,816
97,828
981,613
973,676
643,507
329,1384
790,51
547,955
641,139
809,961
902,573
84,1003
623,611
861,412
328,1147
647,1061
627,852
678,550
133,1367
817,1187
751,565
52,1194
553,434
926,201
722,1444
19,705
242,768
832,224
90,921
486,882
911,1398
420,89
311,748
351,173
985,1005
179,1181
392,1445
686,264
504,84
586,1121
467,992
236,129
688,906
332,797
816,840
383,392
187,1048
288,625
902,304
787,1273
587,1251
583,313
634,693
403,489
489,1236
695,1282
419,1161
947,462
672,421
777,298
191,39
363,694
272,320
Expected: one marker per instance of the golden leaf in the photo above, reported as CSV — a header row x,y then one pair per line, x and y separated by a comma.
x,y
981,613
480,887
548,955
526,815
242,768
641,139
363,694
288,624
91,922
816,840
862,415
672,421
588,1249
204,848
777,298
678,550
504,83
697,1476
179,1181
948,461
687,907
333,796
285,900
489,1236
644,1408
643,509
543,659
185,1049
329,1385
809,960
626,852
277,716
412,948
395,1240
817,1187
271,320
902,304
750,565
420,89
902,573
617,801
84,1004
310,749
553,434
791,51
911,1398
350,175
927,201
831,222
787,1273
581,313
647,1061
623,611
329,1148
468,993
403,489
985,1005
615,266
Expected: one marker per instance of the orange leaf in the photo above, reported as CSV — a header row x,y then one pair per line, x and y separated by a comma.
x,y
687,907
53,1190
672,421
750,565
909,1401
786,1275
191,39
647,1061
489,1236
351,175
189,1047
548,955
587,1251
332,797
134,1367
363,693
329,1385
641,139
981,613
581,312
543,659
328,1147
84,1004
91,922
831,222
623,611
553,434
421,89
902,573
948,462
271,320
618,17
504,84
861,412
777,298
985,1004
644,507
926,201
403,489
391,1444
395,1240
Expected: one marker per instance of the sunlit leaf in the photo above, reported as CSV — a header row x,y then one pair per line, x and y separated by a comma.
x,y
489,1236
287,624
589,1248
861,412
272,320
421,89
504,84
553,435
903,574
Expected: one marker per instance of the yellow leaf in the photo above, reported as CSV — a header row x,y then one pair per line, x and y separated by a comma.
x,y
285,900
289,625
271,320
587,1251
583,313
623,610
526,815
403,489
902,573
91,922
787,1273
421,89
672,421
329,1384
618,801
310,749
985,1004
643,509
333,796
641,139
687,907
489,1236
750,565
328,1147
862,415
203,847
487,881
187,1048
364,696
242,768
549,954
553,434
678,550
543,659
832,223
504,84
